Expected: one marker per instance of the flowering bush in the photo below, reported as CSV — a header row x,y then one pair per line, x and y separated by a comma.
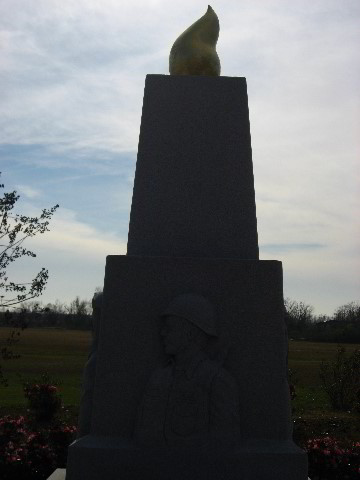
x,y
43,399
23,454
29,455
60,438
328,460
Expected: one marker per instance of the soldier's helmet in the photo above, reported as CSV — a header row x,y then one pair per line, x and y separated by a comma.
x,y
196,309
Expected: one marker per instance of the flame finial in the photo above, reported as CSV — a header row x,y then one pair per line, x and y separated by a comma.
x,y
194,51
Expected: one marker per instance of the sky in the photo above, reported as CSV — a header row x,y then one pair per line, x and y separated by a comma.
x,y
72,79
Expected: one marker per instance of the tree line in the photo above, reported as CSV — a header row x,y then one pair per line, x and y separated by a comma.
x,y
75,315
342,327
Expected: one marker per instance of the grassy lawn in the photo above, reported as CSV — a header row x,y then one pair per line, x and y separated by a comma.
x,y
304,360
63,353
312,412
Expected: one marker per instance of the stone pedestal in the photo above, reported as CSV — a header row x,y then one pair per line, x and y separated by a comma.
x,y
192,231
60,474
247,296
113,458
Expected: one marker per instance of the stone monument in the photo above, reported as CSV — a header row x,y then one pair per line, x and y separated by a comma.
x,y
191,355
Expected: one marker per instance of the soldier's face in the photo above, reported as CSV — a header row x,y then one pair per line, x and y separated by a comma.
x,y
174,334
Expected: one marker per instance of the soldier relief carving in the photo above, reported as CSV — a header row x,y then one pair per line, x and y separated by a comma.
x,y
193,399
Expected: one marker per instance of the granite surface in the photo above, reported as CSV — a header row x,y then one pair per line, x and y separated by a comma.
x,y
113,458
60,474
194,186
192,231
248,299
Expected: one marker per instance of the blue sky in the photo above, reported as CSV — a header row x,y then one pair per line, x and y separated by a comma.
x,y
72,78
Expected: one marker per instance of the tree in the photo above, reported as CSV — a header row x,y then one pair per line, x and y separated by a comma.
x,y
79,307
348,313
298,318
14,230
298,314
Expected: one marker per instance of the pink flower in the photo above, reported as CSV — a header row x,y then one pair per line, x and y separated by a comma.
x,y
31,437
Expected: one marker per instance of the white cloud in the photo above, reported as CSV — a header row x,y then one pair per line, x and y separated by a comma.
x,y
73,252
28,191
70,236
73,77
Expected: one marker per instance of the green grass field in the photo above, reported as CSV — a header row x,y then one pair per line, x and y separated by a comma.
x,y
63,353
60,353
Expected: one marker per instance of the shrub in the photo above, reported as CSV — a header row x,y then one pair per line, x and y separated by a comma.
x,y
43,399
330,461
341,380
23,454
26,454
60,438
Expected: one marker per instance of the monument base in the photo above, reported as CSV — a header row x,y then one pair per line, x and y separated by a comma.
x,y
60,474
113,458
248,298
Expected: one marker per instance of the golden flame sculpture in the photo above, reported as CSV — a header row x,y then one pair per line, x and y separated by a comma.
x,y
194,51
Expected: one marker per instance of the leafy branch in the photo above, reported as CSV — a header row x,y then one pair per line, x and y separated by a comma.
x,y
14,230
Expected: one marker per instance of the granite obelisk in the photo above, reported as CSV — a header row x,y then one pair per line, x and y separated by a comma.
x,y
192,234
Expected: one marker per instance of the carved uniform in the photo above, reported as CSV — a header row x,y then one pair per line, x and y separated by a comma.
x,y
181,407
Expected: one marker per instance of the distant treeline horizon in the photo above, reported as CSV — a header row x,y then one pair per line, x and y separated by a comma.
x,y
342,327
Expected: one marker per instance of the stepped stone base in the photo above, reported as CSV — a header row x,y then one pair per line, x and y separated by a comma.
x,y
113,458
60,474
248,298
